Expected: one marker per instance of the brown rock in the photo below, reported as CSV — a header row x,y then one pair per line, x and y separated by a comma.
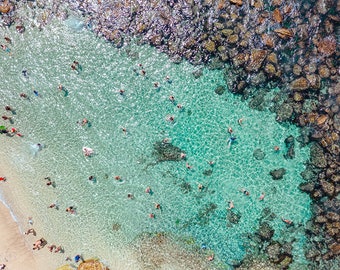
x,y
277,16
267,40
327,187
324,71
227,32
321,119
327,46
256,59
5,7
297,69
335,248
284,33
272,58
232,39
236,2
299,84
270,69
297,97
210,46
320,219
276,3
240,59
314,81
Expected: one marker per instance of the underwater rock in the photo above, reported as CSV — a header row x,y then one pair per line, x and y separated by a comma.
x,y
290,143
207,172
327,187
198,73
274,251
284,112
317,157
278,174
219,90
265,231
167,152
233,217
307,187
258,154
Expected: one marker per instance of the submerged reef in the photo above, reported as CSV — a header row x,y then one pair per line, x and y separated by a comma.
x,y
293,45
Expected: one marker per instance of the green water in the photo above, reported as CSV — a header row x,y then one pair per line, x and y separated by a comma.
x,y
200,129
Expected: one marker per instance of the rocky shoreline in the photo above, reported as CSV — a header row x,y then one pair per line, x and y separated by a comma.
x,y
259,45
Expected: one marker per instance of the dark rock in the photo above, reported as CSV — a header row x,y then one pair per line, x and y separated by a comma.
x,y
307,187
310,173
317,157
220,90
327,187
167,152
289,141
265,231
278,173
197,73
273,252
207,172
233,217
259,154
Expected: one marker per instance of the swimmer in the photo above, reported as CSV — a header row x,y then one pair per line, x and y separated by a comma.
x,y
287,221
151,215
5,48
23,95
183,156
262,196
167,79
24,72
200,187
276,148
230,130
172,98
36,93
231,205
121,91
245,192
179,106
189,167
6,117
60,87
156,84
231,140
124,130
8,40
211,257
30,221
166,140
84,122
170,118
3,178
157,206
240,121
8,108
70,209
118,178
148,190
54,205
92,178
143,72
211,163
130,196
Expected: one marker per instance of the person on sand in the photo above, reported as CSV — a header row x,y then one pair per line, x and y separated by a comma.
x,y
2,266
50,248
39,244
58,249
2,178
211,257
30,231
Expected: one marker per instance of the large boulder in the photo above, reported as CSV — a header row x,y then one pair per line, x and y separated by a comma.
x,y
317,157
278,174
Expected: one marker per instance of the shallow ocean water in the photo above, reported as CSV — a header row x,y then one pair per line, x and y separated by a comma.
x,y
200,129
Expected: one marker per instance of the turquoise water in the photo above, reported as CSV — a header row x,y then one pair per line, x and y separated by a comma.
x,y
200,129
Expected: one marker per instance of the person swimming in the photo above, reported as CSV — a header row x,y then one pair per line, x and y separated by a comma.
x,y
231,140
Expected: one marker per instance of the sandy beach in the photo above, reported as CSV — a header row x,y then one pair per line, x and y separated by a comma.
x,y
14,249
